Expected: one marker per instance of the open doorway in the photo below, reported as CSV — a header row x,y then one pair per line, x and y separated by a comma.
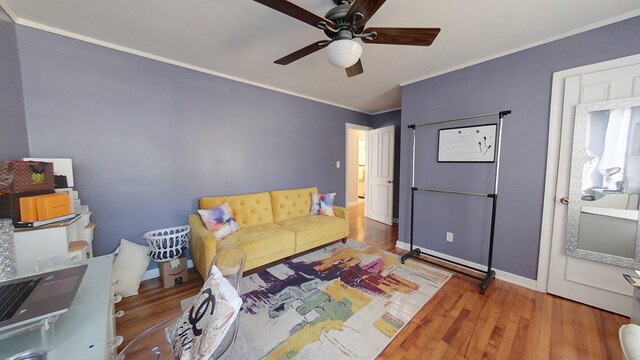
x,y
356,164
369,189
362,164
370,171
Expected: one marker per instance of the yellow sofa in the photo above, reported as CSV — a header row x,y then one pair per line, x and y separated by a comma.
x,y
273,225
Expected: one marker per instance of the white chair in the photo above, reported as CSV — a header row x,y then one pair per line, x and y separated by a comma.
x,y
155,342
629,335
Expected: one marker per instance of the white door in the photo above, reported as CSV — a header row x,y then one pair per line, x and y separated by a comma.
x,y
586,281
379,178
362,167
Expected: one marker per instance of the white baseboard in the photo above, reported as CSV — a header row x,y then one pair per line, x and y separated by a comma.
x,y
154,273
500,274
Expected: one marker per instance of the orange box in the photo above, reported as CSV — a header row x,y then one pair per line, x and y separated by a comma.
x,y
43,207
28,209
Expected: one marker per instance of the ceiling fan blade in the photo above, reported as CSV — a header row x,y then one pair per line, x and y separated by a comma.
x,y
366,7
295,11
355,69
307,50
403,36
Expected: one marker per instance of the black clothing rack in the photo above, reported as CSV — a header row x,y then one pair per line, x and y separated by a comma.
x,y
488,274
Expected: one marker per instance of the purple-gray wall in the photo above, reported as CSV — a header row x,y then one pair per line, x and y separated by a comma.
x,y
148,139
520,82
387,119
14,142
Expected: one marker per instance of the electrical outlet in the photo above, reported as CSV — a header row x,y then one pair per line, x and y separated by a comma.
x,y
449,236
338,164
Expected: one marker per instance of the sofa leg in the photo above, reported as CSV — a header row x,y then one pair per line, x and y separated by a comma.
x,y
344,240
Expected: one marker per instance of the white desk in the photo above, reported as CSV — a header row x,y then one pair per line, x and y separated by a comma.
x,y
83,332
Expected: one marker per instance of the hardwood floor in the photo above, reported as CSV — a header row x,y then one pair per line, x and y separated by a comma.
x,y
508,322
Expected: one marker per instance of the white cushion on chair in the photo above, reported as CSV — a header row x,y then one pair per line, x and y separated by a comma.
x,y
212,326
186,303
630,341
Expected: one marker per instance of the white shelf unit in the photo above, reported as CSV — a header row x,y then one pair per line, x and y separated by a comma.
x,y
50,241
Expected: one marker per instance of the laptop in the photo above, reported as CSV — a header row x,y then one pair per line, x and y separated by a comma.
x,y
27,300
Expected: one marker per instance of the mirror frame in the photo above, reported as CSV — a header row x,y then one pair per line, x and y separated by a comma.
x,y
578,156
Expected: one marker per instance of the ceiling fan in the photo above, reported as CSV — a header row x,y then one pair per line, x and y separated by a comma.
x,y
342,24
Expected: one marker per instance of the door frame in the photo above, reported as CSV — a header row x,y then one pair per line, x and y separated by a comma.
x,y
346,160
358,142
553,157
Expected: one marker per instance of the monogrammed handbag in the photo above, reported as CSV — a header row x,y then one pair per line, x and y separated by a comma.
x,y
24,176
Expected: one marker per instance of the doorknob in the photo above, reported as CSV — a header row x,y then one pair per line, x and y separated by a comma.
x,y
390,182
564,201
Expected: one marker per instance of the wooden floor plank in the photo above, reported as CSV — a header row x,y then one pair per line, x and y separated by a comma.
x,y
507,322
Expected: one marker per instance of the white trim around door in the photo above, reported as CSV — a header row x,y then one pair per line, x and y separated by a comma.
x,y
346,159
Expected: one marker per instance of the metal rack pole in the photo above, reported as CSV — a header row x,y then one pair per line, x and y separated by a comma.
x,y
499,113
412,251
491,274
413,156
416,252
454,192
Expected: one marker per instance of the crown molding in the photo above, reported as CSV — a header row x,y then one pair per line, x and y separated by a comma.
x,y
91,40
386,111
528,46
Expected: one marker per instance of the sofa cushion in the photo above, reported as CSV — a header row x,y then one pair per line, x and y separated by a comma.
x,y
289,204
262,240
249,209
220,220
322,204
309,229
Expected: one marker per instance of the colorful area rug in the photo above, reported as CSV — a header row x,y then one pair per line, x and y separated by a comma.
x,y
345,301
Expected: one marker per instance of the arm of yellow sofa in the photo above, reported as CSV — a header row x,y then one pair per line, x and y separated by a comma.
x,y
203,246
341,212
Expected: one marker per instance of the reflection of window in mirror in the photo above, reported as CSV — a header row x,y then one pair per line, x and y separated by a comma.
x,y
636,140
607,152
592,178
633,158
614,157
590,175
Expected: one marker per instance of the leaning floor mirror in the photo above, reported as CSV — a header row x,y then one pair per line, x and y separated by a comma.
x,y
602,219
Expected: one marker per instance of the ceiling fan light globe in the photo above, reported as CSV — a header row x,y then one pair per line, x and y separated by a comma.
x,y
344,53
